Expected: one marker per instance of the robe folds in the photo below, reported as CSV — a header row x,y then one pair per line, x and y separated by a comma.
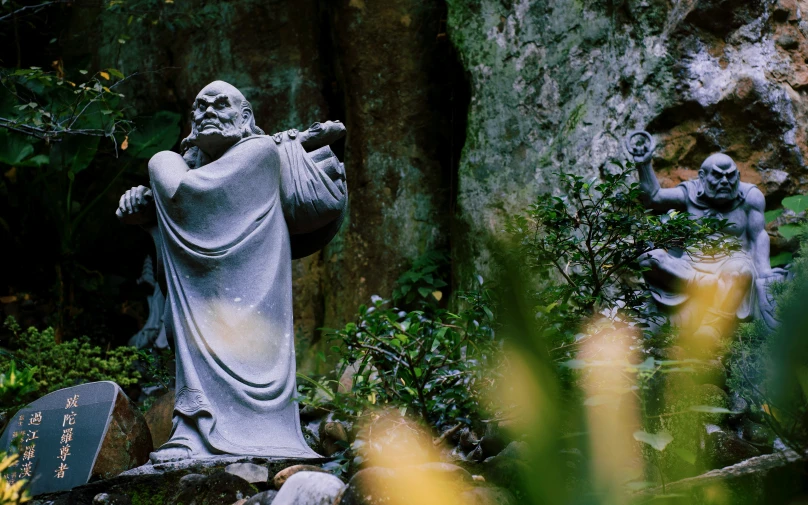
x,y
226,252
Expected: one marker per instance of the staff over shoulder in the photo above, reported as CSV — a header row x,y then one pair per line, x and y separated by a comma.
x,y
231,211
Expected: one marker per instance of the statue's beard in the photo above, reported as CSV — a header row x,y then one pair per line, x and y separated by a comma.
x,y
215,141
721,195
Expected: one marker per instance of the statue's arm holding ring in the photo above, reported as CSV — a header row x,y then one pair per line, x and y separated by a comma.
x,y
640,145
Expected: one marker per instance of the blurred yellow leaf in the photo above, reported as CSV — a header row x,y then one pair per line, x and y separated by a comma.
x,y
438,295
104,75
771,411
125,143
656,440
11,174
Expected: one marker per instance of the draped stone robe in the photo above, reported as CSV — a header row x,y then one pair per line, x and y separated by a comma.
x,y
225,249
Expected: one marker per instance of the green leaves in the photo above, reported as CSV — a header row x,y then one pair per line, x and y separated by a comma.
x,y
783,258
74,154
51,366
47,106
771,215
158,133
422,283
428,362
790,231
17,149
796,203
591,239
656,440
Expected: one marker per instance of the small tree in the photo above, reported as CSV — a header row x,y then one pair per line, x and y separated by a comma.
x,y
429,363
51,132
592,239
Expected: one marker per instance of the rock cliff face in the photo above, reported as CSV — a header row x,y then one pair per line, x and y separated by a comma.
x,y
526,88
556,84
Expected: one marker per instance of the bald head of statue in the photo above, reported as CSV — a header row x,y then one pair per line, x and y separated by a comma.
x,y
221,117
720,178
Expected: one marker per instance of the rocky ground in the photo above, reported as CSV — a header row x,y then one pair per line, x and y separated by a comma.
x,y
257,481
472,468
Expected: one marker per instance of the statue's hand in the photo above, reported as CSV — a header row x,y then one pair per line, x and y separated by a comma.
x,y
195,157
321,134
640,145
134,205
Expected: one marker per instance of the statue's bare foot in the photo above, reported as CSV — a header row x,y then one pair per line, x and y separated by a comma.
x,y
168,454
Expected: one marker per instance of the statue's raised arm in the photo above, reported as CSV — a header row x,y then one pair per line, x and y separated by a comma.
x,y
640,145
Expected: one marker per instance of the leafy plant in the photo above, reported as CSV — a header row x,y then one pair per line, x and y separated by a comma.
x,y
16,385
422,282
591,239
767,368
428,363
47,106
791,219
172,15
159,365
50,134
51,365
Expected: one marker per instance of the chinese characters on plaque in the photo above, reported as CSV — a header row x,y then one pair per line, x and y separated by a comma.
x,y
58,437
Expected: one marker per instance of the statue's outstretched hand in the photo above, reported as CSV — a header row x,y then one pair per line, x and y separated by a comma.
x,y
640,145
136,206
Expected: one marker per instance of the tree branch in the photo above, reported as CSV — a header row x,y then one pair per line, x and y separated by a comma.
x,y
30,7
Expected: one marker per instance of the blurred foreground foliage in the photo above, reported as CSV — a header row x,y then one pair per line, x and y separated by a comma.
x,y
610,409
11,493
770,369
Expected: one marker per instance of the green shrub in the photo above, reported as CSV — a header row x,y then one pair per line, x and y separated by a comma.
x,y
429,362
422,284
582,248
53,366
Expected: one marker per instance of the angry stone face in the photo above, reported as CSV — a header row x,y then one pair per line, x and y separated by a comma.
x,y
720,178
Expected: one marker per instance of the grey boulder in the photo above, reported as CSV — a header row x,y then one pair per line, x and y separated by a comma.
x,y
265,498
252,473
309,488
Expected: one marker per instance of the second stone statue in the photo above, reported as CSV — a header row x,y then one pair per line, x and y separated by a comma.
x,y
228,215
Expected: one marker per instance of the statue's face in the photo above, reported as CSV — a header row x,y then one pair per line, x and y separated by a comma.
x,y
218,118
720,178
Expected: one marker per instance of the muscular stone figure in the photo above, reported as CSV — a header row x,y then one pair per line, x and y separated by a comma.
x,y
702,292
231,213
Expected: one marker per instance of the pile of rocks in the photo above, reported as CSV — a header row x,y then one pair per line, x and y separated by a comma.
x,y
255,481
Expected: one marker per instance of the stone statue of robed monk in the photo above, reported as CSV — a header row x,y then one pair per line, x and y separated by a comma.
x,y
231,213
737,283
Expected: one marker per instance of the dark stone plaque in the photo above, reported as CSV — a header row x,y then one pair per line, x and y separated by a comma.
x,y
60,436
